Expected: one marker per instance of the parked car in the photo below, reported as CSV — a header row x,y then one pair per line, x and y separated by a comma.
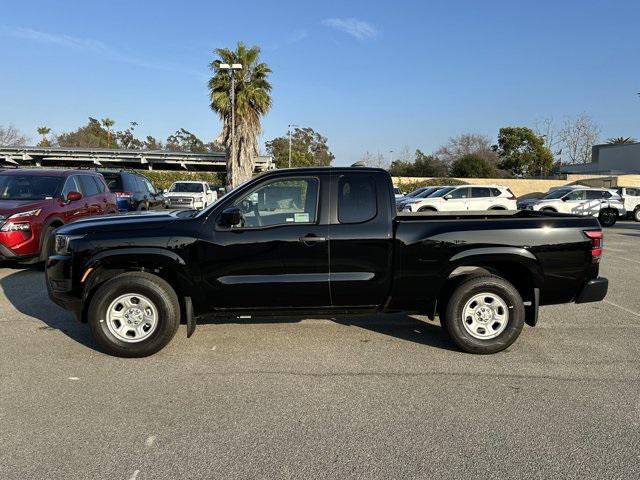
x,y
466,197
417,198
190,194
320,242
133,191
34,202
631,200
603,203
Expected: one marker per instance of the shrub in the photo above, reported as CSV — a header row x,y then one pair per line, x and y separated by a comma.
x,y
163,179
413,185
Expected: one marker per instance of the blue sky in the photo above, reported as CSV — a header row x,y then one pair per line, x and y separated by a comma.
x,y
371,76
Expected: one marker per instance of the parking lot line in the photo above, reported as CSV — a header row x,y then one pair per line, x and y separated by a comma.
x,y
623,308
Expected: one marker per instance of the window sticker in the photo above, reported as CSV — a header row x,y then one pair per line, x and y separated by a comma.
x,y
301,217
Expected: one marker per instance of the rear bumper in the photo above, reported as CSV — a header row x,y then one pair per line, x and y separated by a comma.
x,y
594,291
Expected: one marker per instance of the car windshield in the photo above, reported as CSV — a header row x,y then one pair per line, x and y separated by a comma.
x,y
184,187
426,192
556,194
29,187
441,192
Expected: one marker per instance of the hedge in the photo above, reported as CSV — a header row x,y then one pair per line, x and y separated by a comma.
x,y
163,179
410,186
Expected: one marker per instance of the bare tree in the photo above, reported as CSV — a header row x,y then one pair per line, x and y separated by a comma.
x,y
577,136
377,160
10,136
546,129
466,144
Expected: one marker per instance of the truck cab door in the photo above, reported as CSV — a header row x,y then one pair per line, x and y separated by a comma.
x,y
278,256
361,239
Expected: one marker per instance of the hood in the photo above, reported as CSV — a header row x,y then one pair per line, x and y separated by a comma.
x,y
127,222
9,207
529,201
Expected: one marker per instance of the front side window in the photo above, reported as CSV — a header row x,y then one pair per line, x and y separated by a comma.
x,y
149,186
280,202
70,186
459,193
575,195
356,198
89,187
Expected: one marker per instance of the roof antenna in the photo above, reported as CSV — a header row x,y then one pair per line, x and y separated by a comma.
x,y
359,163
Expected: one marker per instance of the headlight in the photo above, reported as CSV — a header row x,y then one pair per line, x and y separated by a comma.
x,y
28,213
62,243
15,227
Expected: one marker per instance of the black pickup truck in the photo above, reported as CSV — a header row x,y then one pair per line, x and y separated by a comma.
x,y
321,241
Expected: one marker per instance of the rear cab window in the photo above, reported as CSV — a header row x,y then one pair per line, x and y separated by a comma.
x,y
357,198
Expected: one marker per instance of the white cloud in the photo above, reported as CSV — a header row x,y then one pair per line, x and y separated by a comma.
x,y
352,26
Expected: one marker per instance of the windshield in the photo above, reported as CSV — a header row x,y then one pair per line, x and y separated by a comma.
x,y
416,192
183,187
28,187
556,194
426,192
441,192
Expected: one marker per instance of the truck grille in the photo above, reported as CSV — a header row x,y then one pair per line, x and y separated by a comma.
x,y
181,201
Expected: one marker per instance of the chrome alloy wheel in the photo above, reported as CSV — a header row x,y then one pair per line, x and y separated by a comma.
x,y
132,318
485,316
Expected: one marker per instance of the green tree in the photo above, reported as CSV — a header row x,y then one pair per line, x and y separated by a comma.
x,y
43,132
92,135
185,141
252,101
472,166
108,123
126,138
523,152
308,149
151,143
423,165
621,140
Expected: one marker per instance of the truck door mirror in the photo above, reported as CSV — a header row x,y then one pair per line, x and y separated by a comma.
x,y
231,217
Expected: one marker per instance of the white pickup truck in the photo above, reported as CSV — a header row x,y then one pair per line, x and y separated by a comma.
x,y
190,194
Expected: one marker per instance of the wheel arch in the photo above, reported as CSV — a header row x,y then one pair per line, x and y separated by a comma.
x,y
157,261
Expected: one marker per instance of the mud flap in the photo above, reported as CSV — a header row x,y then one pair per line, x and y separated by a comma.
x,y
191,321
531,311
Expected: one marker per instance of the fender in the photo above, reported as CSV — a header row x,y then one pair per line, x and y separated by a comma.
x,y
137,252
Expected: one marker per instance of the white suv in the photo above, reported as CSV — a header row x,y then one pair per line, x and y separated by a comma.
x,y
631,199
467,197
603,203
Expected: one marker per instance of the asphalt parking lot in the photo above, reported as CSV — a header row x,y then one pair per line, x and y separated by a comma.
x,y
375,397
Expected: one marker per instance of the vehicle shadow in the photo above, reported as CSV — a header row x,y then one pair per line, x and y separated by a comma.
x,y
398,325
26,290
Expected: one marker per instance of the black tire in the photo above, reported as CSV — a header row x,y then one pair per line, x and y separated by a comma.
x,y
497,208
141,208
427,209
608,217
548,209
154,288
636,214
496,286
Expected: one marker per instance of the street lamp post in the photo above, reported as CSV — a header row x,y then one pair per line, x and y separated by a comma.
x,y
290,143
231,68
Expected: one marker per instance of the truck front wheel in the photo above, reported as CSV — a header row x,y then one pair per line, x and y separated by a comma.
x,y
484,314
134,315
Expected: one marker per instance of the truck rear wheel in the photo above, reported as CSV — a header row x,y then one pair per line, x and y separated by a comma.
x,y
484,314
135,314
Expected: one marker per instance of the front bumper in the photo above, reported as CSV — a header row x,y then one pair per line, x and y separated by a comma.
x,y
59,276
594,291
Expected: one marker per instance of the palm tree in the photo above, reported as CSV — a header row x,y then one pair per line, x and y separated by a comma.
x,y
108,123
621,140
44,131
252,101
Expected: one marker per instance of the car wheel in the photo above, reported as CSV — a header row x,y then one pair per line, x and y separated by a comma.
x,y
135,314
484,314
497,208
548,209
636,214
427,209
608,217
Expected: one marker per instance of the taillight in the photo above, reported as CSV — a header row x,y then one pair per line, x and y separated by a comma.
x,y
512,197
124,194
597,239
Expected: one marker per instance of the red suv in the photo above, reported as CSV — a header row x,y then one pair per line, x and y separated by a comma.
x,y
33,203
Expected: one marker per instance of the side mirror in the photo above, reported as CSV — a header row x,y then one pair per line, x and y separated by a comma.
x,y
166,190
447,197
564,199
231,217
73,197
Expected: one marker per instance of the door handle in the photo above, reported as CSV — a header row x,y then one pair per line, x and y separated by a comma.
x,y
310,239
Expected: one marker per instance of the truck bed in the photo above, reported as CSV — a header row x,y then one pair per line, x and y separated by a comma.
x,y
478,215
